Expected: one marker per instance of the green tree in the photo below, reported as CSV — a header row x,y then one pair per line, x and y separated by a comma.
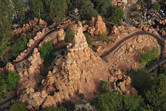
x,y
109,101
47,52
157,94
104,86
69,105
56,9
12,79
102,6
19,9
156,6
18,107
141,80
104,37
149,56
88,38
133,103
69,35
55,109
20,45
143,4
116,14
2,82
86,7
5,25
37,7
81,96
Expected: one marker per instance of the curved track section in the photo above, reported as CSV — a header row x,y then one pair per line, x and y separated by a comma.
x,y
160,42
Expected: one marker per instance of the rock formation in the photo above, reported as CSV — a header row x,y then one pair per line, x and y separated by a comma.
x,y
97,26
30,28
79,72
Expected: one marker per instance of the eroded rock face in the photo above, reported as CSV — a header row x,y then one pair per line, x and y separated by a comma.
x,y
97,26
79,72
76,71
30,28
9,67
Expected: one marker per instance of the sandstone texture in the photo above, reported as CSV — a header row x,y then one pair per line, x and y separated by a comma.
x,y
97,26
30,28
54,37
79,72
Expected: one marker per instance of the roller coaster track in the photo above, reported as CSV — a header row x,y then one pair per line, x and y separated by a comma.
x,y
162,58
126,17
160,42
29,53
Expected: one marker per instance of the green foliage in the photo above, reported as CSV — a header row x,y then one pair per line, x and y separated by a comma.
x,y
12,79
19,9
37,7
18,107
5,26
9,82
116,14
104,86
81,96
148,56
20,45
133,103
134,16
156,96
47,52
141,80
86,8
55,9
3,84
102,6
109,101
143,4
156,6
88,38
104,37
112,101
69,105
55,109
69,35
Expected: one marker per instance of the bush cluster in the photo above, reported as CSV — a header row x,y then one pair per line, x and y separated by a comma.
x,y
47,52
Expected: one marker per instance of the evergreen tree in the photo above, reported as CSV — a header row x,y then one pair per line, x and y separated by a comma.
x,y
56,9
156,96
102,6
18,7
37,7
86,7
5,25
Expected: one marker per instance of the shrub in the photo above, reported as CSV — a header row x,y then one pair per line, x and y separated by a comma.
x,y
18,107
148,56
143,4
104,86
116,14
156,6
156,96
81,96
88,38
69,105
20,45
55,109
104,37
47,52
111,101
141,80
69,35
3,84
12,79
